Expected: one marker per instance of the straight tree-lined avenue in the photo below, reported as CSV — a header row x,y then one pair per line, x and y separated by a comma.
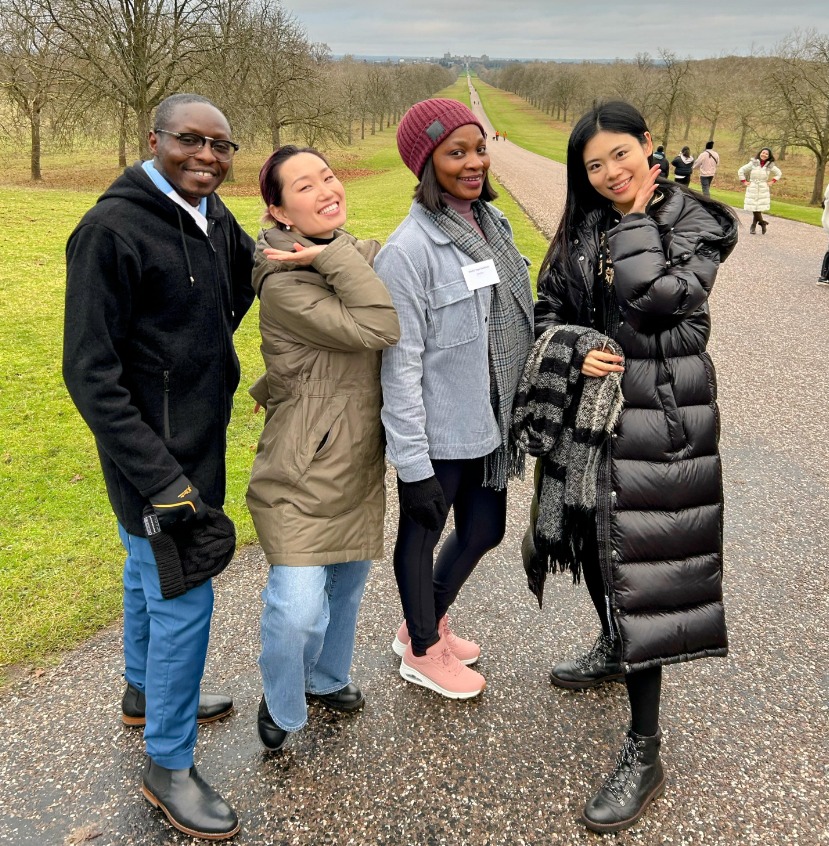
x,y
745,738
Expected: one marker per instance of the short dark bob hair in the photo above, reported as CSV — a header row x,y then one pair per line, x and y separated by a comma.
x,y
270,185
428,191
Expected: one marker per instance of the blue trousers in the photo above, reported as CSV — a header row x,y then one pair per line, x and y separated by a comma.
x,y
308,627
165,647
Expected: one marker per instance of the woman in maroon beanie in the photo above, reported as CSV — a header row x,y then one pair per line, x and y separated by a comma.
x,y
462,292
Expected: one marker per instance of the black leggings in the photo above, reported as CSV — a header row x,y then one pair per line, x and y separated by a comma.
x,y
428,588
644,686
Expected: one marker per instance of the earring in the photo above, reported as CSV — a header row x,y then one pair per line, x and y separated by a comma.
x,y
287,227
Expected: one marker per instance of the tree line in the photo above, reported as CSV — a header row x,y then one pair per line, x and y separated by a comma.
x,y
75,70
780,99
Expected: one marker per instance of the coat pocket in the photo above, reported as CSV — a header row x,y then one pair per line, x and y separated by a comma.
x,y
295,435
454,314
676,429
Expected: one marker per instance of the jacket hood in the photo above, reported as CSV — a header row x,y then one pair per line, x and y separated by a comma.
x,y
699,221
279,239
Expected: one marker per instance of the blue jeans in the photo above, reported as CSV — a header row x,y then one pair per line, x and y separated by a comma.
x,y
165,647
308,627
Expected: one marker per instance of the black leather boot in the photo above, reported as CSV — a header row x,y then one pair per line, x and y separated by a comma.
x,y
753,228
823,279
189,803
637,779
212,707
348,698
273,737
603,663
763,225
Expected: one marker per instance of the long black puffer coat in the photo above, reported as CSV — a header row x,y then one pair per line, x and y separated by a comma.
x,y
659,504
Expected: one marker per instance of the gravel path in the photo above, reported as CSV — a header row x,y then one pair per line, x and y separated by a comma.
x,y
746,738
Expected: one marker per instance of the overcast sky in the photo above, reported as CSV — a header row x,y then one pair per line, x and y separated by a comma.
x,y
552,29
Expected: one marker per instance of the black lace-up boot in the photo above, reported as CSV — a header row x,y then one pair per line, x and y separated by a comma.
x,y
603,663
637,779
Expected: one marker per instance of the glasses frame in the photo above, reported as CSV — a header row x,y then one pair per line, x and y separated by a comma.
x,y
204,139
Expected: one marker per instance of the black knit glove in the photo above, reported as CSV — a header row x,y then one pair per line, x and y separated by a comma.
x,y
423,501
178,502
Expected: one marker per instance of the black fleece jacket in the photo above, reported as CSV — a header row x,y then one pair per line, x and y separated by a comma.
x,y
151,307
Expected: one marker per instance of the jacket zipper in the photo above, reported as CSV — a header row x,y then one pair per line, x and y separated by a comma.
x,y
167,405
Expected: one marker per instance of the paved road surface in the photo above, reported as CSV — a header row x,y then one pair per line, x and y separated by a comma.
x,y
746,738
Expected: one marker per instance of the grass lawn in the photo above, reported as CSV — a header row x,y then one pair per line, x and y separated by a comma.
x,y
60,559
537,131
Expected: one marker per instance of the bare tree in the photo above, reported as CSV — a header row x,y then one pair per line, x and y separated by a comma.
x,y
673,80
32,69
800,78
133,52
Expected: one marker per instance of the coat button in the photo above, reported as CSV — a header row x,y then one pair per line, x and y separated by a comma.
x,y
614,435
581,258
613,494
613,554
575,240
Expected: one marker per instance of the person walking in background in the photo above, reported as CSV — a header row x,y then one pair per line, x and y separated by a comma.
x,y
757,175
683,165
462,291
316,493
707,162
636,264
661,159
158,280
823,279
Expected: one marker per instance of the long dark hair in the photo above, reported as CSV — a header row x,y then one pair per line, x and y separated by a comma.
x,y
428,190
582,198
270,183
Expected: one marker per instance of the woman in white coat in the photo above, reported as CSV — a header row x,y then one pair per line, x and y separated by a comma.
x,y
823,279
757,174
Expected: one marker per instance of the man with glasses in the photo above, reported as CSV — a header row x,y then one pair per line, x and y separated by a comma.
x,y
158,279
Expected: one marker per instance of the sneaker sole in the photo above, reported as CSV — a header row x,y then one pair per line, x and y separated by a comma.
x,y
399,648
157,803
605,828
416,677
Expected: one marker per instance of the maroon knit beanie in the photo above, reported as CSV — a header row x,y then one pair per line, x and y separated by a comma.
x,y
428,123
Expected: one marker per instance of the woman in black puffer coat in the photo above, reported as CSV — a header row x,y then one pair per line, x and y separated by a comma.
x,y
636,257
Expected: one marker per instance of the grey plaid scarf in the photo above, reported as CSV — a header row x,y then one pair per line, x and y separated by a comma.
x,y
567,439
510,324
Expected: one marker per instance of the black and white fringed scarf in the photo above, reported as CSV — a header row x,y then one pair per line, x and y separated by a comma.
x,y
567,439
510,324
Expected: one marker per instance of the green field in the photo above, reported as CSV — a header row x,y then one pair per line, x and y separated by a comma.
x,y
533,129
60,559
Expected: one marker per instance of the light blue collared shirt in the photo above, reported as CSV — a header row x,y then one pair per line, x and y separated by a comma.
x,y
199,212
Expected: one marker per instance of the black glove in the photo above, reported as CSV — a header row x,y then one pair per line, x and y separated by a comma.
x,y
178,502
423,501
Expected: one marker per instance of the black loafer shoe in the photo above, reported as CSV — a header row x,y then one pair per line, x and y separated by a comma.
x,y
272,737
348,698
189,803
212,707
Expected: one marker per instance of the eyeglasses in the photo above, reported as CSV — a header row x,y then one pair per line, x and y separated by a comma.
x,y
190,143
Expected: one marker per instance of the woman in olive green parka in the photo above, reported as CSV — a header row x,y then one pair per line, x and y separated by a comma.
x,y
316,493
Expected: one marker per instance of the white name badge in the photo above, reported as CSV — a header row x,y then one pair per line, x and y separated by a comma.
x,y
480,274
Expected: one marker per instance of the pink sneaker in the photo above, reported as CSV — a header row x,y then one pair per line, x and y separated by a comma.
x,y
466,651
440,670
